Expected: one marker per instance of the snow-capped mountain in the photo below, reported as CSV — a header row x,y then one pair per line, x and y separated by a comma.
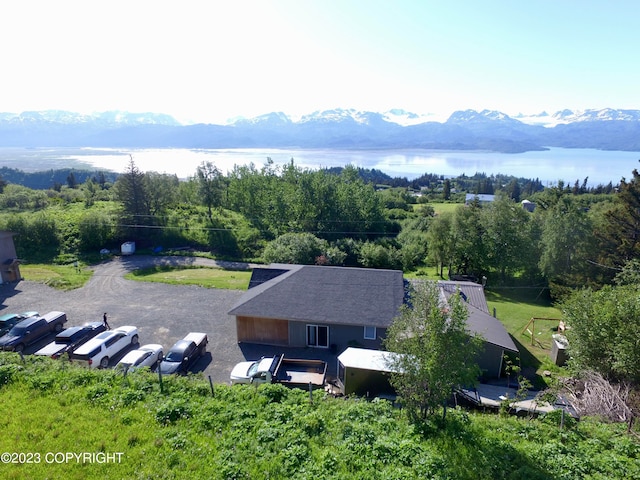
x,y
336,128
604,115
112,118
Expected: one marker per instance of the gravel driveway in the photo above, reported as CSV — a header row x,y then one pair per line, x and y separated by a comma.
x,y
162,313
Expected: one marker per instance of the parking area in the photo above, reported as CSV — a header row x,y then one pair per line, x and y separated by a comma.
x,y
162,313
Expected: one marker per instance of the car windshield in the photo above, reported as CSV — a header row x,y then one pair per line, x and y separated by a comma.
x,y
173,357
142,358
18,331
253,369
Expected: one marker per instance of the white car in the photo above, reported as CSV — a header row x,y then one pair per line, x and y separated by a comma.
x,y
97,351
145,356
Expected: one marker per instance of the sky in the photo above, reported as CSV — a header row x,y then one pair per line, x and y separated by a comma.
x,y
211,61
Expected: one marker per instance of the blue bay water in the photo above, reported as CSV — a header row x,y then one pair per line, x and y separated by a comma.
x,y
550,166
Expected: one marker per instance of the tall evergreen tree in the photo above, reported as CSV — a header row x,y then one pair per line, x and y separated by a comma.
x,y
130,191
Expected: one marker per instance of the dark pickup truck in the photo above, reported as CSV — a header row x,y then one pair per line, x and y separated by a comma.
x,y
31,330
9,320
184,353
70,339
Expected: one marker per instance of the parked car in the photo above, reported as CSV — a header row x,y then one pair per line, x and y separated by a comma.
x,y
184,353
31,330
70,339
145,356
8,320
97,352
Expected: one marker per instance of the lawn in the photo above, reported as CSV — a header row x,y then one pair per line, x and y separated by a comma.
x,y
202,276
515,307
444,207
62,277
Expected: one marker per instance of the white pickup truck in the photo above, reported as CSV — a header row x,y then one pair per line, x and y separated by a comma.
x,y
292,372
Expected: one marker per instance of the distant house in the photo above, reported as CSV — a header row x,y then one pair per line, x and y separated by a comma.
x,y
483,198
341,307
528,205
318,306
9,263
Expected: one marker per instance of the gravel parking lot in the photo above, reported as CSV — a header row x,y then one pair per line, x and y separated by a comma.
x,y
162,313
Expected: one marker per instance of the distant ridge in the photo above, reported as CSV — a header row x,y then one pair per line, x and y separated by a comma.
x,y
490,130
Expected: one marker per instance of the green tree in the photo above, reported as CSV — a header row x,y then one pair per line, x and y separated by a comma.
x,y
446,190
469,254
621,233
567,245
210,186
604,331
506,226
131,191
380,254
298,248
513,190
71,180
95,231
160,193
440,241
436,353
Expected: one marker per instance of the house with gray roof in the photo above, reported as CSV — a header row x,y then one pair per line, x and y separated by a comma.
x,y
497,341
319,306
339,307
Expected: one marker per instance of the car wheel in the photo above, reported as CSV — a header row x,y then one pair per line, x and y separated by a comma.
x,y
104,362
134,339
58,328
18,348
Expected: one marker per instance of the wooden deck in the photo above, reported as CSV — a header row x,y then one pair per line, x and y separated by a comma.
x,y
491,396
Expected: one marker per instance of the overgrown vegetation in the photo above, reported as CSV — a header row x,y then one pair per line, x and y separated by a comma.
x,y
275,432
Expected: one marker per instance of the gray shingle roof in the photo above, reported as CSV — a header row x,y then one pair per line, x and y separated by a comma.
x,y
479,320
330,295
490,328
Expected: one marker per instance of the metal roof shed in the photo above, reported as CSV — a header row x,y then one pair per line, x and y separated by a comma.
x,y
365,372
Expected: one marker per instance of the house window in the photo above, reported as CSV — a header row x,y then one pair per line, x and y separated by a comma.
x,y
318,336
369,333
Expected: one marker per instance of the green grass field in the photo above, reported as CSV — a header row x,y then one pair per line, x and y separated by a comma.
x,y
201,276
61,277
515,307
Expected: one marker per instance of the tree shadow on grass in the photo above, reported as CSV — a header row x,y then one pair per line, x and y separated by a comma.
x,y
530,365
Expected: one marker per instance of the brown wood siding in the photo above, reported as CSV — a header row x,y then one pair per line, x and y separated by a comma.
x,y
268,331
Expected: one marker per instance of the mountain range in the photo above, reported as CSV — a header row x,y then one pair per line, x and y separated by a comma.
x,y
489,130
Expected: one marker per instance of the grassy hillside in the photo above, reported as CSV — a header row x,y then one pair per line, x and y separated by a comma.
x,y
185,431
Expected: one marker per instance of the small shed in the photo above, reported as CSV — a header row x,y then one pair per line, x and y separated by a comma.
x,y
365,372
559,346
128,248
9,263
528,205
